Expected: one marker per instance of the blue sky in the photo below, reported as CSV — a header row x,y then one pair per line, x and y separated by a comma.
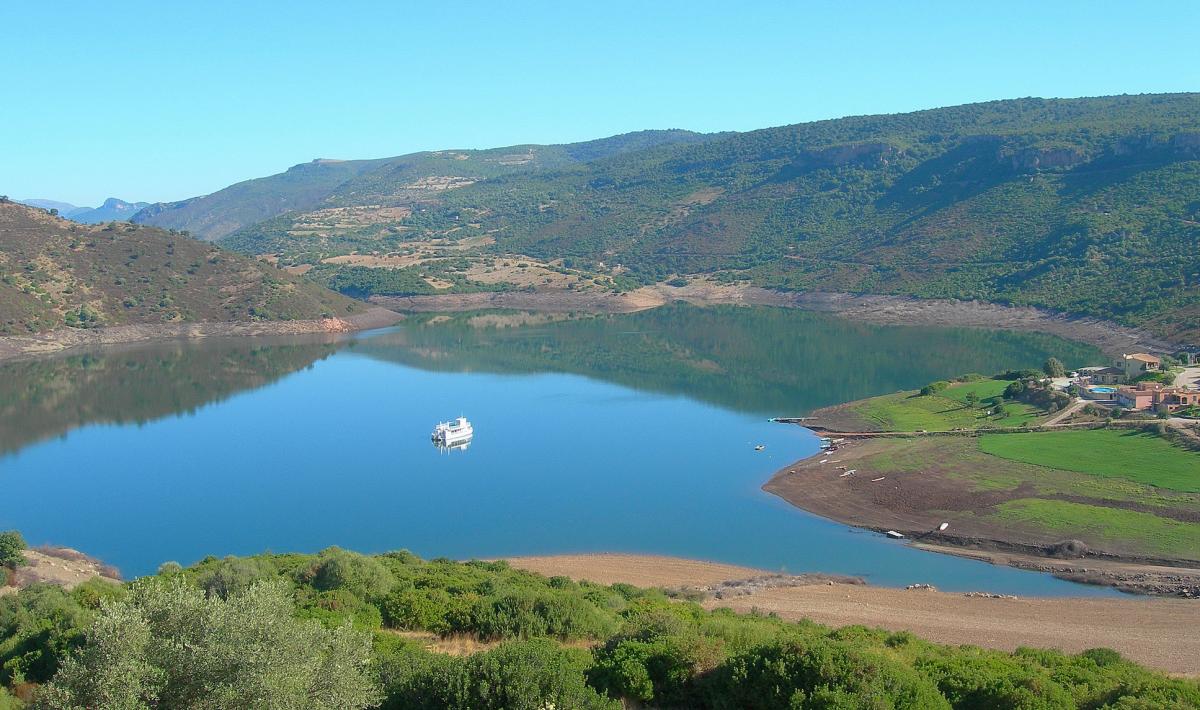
x,y
165,100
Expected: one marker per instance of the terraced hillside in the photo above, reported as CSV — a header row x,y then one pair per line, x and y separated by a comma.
x,y
1086,206
394,181
55,273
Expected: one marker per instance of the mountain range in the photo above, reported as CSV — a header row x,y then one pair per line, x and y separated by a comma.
x,y
113,210
1085,206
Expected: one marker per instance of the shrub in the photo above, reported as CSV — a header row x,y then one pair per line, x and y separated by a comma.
x,y
12,549
231,575
934,388
171,645
820,673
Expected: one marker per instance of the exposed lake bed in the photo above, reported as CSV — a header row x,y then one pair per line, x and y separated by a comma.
x,y
631,433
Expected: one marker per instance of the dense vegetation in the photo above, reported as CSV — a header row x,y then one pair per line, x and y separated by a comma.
x,y
56,273
344,630
1087,206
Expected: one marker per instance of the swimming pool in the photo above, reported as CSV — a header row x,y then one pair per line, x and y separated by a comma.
x,y
1102,390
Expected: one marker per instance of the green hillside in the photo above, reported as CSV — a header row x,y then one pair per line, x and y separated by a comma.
x,y
390,181
1088,206
56,273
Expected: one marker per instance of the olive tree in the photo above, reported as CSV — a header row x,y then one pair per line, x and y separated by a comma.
x,y
168,644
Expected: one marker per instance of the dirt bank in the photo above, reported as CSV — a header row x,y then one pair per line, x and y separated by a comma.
x,y
13,347
916,503
884,310
1156,632
57,565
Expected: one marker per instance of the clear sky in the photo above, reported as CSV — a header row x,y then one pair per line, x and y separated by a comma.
x,y
163,100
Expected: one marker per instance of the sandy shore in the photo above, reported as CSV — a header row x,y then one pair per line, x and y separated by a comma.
x,y
14,347
1159,633
884,310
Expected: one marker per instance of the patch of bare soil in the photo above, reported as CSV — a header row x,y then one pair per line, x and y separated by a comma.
x,y
901,310
58,565
884,310
1156,632
14,347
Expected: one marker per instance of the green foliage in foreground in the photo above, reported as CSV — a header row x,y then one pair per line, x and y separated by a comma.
x,y
329,630
1131,454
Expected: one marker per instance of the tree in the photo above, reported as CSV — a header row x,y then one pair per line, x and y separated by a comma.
x,y
171,645
1054,368
12,549
972,399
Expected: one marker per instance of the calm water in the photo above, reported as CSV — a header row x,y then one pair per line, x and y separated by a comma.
x,y
623,433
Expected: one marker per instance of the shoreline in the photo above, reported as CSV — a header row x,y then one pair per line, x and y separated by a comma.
x,y
61,340
851,501
1154,631
1112,338
1109,337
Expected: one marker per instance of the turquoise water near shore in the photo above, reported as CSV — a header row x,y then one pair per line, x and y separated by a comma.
x,y
298,445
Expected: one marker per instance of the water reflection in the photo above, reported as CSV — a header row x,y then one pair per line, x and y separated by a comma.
x,y
451,447
769,361
47,397
772,361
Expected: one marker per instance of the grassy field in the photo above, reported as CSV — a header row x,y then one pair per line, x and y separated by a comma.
x,y
948,409
989,496
1105,527
1133,455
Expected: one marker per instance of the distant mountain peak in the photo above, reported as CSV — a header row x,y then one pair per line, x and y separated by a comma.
x,y
114,209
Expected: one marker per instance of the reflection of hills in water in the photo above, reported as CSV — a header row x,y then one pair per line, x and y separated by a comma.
x,y
47,397
763,360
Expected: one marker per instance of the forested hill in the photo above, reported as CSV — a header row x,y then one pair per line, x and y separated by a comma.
x,y
1088,206
397,180
55,273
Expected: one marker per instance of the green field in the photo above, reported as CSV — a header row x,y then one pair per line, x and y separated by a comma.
x,y
1114,526
1133,455
949,409
1039,504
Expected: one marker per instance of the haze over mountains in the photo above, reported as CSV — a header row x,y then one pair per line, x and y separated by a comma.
x,y
113,210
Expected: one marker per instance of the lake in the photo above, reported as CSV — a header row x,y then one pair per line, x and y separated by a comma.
x,y
631,433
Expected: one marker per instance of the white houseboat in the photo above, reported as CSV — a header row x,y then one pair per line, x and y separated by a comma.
x,y
455,433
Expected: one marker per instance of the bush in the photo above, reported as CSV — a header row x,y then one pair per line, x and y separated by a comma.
x,y
820,673
364,576
12,549
171,645
656,659
934,388
231,575
530,675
